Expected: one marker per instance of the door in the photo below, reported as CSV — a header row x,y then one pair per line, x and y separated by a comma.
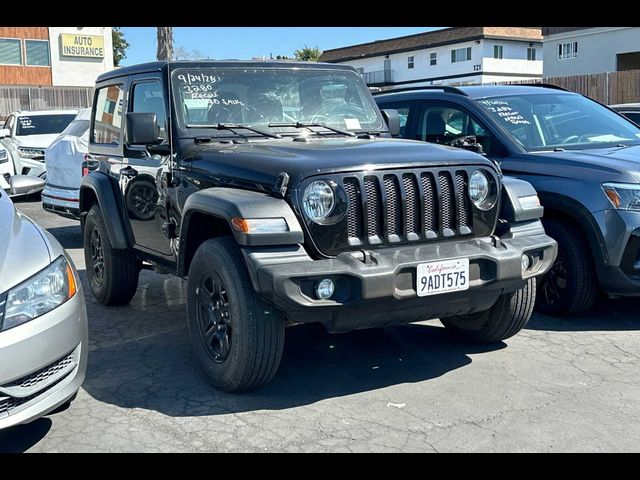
x,y
142,173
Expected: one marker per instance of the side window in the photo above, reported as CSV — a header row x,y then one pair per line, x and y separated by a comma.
x,y
147,98
403,109
443,123
107,120
9,123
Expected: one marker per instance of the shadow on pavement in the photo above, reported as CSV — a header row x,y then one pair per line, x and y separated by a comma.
x,y
69,236
606,315
22,437
160,373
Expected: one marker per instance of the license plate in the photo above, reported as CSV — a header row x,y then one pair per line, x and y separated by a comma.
x,y
442,277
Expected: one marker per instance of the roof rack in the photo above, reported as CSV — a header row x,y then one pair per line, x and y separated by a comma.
x,y
444,88
542,85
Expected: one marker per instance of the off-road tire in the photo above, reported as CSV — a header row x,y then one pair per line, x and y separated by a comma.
x,y
504,319
120,268
256,337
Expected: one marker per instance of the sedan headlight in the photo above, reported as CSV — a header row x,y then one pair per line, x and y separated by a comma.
x,y
40,294
479,189
318,200
623,196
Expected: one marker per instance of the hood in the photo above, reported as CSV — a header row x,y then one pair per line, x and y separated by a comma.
x,y
23,250
36,141
612,164
258,163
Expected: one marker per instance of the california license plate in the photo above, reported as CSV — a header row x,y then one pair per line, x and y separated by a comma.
x,y
442,277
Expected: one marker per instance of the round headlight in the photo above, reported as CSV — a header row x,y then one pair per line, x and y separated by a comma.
x,y
318,200
478,188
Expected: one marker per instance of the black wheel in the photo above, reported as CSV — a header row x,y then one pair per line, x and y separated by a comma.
x,y
237,337
112,274
504,319
570,285
141,198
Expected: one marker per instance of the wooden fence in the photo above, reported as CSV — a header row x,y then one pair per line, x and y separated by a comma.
x,y
609,88
43,98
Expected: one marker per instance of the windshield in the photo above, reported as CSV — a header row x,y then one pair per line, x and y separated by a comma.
x,y
547,121
263,96
43,124
77,128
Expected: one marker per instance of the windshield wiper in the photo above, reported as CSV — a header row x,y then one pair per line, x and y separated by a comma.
x,y
310,126
234,126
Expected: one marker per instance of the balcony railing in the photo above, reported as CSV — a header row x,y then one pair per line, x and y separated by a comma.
x,y
379,77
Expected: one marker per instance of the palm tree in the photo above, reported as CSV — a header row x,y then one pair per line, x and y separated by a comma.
x,y
165,43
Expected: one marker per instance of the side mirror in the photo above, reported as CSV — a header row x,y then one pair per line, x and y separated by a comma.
x,y
393,121
142,129
25,184
5,132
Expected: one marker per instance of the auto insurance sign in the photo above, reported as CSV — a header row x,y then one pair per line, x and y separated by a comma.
x,y
76,45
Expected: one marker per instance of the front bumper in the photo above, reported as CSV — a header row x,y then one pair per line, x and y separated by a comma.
x,y
30,166
620,275
378,287
43,362
62,201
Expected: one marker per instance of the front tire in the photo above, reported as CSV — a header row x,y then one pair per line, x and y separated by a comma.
x,y
237,337
570,284
504,319
112,273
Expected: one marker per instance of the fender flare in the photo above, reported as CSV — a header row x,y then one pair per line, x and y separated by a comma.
x,y
517,202
102,187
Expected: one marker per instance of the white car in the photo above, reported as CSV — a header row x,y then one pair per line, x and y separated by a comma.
x,y
26,135
63,161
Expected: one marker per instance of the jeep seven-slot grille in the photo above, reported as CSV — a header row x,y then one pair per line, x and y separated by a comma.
x,y
407,206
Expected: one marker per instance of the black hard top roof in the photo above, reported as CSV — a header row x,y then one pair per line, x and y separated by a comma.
x,y
161,65
476,91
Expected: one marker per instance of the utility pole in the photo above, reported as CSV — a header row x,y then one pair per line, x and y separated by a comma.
x,y
165,43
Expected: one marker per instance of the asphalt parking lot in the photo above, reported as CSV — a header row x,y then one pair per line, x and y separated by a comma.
x,y
560,385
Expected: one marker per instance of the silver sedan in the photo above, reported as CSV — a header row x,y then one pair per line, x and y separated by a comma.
x,y
43,321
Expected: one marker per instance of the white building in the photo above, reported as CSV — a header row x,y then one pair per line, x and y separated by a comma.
x,y
54,56
459,55
579,50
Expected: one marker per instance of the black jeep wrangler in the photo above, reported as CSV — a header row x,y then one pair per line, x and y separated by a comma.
x,y
276,190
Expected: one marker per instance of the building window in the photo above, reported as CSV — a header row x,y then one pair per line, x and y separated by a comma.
x,y
410,61
37,52
567,50
531,53
433,58
497,51
460,54
10,51
107,119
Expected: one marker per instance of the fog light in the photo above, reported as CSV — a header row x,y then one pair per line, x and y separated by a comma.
x,y
325,289
526,262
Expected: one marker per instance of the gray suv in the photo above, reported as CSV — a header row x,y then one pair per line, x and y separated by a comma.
x,y
582,158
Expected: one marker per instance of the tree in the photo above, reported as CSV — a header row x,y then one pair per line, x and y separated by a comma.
x,y
120,45
165,43
308,54
182,53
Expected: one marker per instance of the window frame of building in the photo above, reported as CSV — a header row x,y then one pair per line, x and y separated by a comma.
x,y
433,59
531,54
411,61
498,52
26,53
567,50
455,58
19,40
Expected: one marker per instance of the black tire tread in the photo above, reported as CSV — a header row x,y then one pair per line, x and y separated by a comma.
x,y
122,281
585,290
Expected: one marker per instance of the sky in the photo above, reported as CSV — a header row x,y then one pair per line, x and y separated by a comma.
x,y
245,43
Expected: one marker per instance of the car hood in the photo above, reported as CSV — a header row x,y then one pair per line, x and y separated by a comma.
x,y
23,249
613,164
36,141
260,162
